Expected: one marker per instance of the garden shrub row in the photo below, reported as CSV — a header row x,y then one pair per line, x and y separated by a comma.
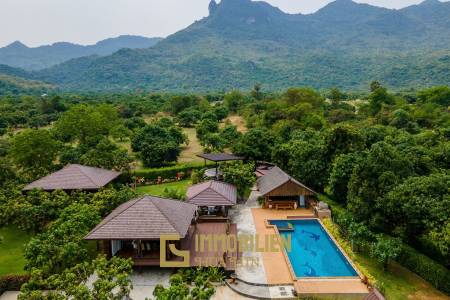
x,y
425,267
170,172
12,282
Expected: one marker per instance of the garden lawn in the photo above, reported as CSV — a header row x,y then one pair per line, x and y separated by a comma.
x,y
400,283
158,189
12,247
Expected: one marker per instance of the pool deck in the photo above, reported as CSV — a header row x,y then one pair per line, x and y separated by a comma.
x,y
277,268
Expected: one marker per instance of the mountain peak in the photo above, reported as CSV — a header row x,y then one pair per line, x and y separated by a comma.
x,y
430,2
16,45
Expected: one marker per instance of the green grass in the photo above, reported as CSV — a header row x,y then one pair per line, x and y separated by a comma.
x,y
158,190
12,246
399,283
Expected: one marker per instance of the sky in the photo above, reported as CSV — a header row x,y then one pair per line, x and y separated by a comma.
x,y
41,22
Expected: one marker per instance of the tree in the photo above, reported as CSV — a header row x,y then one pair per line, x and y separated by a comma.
x,y
342,139
378,98
107,155
438,95
419,200
386,249
233,101
241,175
188,117
62,246
157,145
111,281
336,96
120,132
230,134
256,92
206,126
295,96
359,235
82,122
177,289
375,85
34,151
256,144
6,171
341,172
213,142
221,112
373,177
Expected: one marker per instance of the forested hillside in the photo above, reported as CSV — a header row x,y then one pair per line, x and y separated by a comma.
x,y
241,42
20,56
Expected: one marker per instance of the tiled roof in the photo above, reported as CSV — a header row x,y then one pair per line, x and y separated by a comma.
x,y
274,178
220,156
212,193
74,177
143,218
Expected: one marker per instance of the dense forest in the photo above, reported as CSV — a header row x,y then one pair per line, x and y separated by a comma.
x,y
382,158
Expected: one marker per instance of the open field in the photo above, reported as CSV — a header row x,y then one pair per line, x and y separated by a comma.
x,y
238,121
12,246
189,152
158,190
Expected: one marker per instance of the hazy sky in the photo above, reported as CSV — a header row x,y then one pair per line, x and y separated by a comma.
x,y
37,22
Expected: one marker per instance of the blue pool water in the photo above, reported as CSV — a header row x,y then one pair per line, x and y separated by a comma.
x,y
313,253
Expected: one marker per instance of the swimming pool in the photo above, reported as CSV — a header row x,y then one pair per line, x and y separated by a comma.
x,y
313,253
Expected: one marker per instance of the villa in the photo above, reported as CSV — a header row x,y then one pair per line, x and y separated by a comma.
x,y
135,229
74,177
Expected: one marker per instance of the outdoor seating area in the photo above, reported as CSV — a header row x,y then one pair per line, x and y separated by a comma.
x,y
281,191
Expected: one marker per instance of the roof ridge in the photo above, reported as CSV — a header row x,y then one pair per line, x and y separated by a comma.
x,y
225,183
135,201
198,193
165,215
80,167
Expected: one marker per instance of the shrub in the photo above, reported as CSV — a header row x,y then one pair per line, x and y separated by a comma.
x,y
335,231
12,282
425,267
170,172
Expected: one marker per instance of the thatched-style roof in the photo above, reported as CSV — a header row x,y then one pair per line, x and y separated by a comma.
x,y
218,157
145,218
275,178
212,193
74,177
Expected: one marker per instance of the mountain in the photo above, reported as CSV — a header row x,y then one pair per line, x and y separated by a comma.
x,y
21,56
10,85
241,42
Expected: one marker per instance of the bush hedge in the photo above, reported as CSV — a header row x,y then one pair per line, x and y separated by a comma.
x,y
169,172
425,267
12,282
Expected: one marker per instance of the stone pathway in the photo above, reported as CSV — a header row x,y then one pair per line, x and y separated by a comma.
x,y
144,282
242,215
9,295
